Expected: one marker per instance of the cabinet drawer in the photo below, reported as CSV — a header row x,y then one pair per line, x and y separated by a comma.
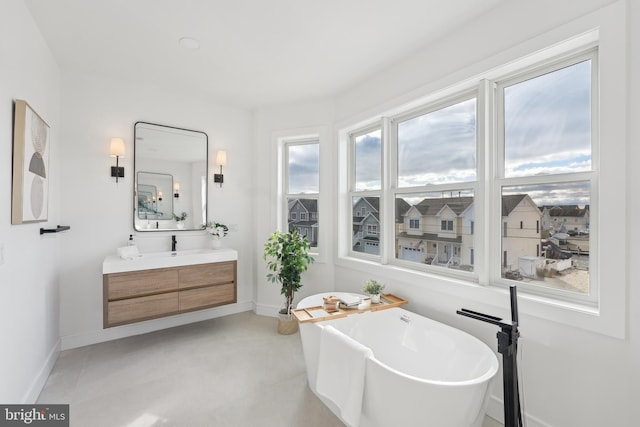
x,y
133,284
194,299
136,309
207,274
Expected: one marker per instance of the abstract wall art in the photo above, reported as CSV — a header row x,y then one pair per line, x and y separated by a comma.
x,y
30,194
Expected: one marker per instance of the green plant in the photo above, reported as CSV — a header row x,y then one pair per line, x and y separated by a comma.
x,y
373,287
287,256
182,216
216,228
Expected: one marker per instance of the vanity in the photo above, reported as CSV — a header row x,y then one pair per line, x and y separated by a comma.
x,y
163,284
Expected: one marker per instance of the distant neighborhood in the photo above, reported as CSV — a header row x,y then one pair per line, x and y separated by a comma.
x,y
440,232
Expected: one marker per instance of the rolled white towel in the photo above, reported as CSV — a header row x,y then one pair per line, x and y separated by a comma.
x,y
128,252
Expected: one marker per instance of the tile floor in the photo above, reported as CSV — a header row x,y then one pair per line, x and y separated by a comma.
x,y
233,371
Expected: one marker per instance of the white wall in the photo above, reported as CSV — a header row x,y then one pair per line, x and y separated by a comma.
x,y
96,108
572,375
579,375
269,124
633,207
29,303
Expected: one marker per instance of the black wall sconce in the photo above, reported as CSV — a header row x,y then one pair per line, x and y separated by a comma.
x,y
117,151
176,190
221,160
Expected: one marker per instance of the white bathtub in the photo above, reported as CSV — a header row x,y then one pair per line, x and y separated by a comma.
x,y
423,373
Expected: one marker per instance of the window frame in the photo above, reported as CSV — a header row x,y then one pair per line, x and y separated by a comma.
x,y
285,143
354,193
486,188
590,176
394,191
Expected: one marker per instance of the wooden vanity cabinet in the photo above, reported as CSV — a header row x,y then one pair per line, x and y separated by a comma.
x,y
148,294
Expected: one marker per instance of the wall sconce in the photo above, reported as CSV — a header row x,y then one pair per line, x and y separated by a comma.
x,y
117,151
176,190
221,160
159,196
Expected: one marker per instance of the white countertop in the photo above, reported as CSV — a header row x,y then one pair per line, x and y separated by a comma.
x,y
115,264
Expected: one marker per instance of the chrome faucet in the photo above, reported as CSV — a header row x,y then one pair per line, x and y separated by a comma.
x,y
173,243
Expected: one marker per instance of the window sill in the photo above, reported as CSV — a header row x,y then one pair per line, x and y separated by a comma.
x,y
467,292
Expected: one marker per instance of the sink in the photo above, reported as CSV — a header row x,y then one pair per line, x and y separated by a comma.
x,y
147,261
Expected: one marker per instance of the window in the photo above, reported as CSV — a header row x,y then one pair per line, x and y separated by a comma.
x,y
366,188
446,225
536,181
547,118
436,176
302,186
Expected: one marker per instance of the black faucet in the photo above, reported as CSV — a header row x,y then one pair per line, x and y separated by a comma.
x,y
173,243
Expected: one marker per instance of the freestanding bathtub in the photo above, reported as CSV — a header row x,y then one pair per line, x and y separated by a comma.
x,y
422,372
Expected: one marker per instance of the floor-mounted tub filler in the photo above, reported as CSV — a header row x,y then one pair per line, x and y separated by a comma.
x,y
396,368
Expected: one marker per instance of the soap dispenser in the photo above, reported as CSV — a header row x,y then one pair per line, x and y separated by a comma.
x,y
130,242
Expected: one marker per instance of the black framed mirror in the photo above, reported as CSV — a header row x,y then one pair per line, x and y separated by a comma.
x,y
170,178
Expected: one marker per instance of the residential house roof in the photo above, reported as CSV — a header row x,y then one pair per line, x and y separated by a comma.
x,y
565,210
433,206
509,203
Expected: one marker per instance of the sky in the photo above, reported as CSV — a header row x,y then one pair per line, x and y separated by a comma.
x,y
304,168
547,131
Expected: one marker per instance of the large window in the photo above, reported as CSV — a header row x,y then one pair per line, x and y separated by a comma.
x,y
302,186
493,184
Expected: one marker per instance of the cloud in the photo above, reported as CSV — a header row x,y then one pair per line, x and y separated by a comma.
x,y
304,173
548,123
572,193
368,150
439,146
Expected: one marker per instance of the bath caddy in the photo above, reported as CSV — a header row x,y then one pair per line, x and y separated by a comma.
x,y
318,314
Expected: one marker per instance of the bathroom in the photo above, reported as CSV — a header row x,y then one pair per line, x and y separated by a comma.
x,y
578,369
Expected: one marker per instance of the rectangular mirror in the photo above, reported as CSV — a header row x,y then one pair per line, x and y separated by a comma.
x,y
170,186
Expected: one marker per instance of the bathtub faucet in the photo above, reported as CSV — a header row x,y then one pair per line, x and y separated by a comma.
x,y
405,318
508,347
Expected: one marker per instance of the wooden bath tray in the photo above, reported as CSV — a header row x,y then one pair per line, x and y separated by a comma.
x,y
318,314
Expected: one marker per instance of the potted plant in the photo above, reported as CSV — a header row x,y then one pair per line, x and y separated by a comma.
x,y
217,230
180,219
374,289
287,256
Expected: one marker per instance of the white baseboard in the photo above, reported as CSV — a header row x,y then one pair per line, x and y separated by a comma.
x,y
495,410
84,339
34,390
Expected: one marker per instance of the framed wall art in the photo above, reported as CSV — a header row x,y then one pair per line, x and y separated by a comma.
x,y
30,195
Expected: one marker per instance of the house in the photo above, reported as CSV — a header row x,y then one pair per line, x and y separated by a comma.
x,y
441,231
433,232
366,225
303,216
565,218
521,232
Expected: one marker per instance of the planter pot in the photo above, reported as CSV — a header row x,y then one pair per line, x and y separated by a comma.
x,y
375,299
287,324
180,225
216,242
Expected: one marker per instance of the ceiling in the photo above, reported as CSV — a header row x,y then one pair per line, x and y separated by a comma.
x,y
252,52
